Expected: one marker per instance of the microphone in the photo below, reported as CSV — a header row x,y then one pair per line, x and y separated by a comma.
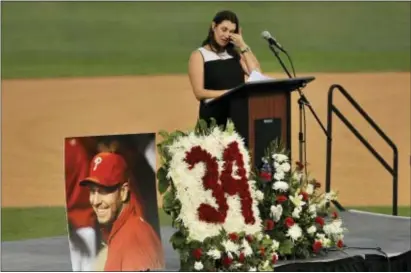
x,y
271,40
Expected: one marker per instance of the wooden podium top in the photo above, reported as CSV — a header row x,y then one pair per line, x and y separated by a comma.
x,y
271,85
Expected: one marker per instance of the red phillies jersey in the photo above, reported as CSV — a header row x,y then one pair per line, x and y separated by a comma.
x,y
79,210
133,245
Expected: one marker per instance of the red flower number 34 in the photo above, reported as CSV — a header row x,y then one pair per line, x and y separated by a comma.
x,y
229,185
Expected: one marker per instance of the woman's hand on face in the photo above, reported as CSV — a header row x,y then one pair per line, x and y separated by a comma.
x,y
237,39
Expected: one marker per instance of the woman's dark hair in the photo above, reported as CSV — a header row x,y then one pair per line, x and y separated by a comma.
x,y
221,16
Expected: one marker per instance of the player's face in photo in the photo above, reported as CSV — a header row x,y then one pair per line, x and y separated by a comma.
x,y
107,202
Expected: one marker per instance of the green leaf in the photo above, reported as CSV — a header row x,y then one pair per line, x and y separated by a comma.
x,y
267,242
168,201
286,247
213,123
163,182
164,134
177,240
177,205
176,134
230,128
203,125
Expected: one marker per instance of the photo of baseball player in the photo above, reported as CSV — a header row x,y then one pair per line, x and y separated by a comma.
x,y
120,173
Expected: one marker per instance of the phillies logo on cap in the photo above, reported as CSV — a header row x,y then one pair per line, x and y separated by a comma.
x,y
97,161
107,169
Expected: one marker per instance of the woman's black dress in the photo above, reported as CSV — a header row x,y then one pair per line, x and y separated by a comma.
x,y
221,72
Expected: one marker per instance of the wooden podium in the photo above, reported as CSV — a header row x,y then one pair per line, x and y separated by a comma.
x,y
261,112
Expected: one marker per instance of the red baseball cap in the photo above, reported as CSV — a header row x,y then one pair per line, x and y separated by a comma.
x,y
107,169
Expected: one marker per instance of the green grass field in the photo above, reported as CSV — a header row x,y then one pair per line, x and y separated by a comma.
x,y
49,39
28,223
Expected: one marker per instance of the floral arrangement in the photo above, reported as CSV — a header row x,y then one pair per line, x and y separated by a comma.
x,y
294,210
230,217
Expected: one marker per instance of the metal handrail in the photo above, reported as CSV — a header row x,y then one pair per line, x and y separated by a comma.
x,y
333,109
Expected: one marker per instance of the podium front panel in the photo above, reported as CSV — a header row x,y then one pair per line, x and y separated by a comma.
x,y
269,108
266,130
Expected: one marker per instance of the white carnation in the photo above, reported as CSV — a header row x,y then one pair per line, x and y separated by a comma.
x,y
247,250
280,157
333,228
198,266
259,195
294,232
230,246
285,167
313,211
214,253
252,269
280,186
279,175
311,230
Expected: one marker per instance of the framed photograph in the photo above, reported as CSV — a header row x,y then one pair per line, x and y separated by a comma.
x,y
111,203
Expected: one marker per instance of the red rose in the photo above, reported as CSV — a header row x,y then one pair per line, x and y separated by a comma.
x,y
274,259
289,222
233,236
319,220
266,176
317,246
197,253
305,196
340,244
249,238
281,198
269,224
300,166
227,261
335,215
241,258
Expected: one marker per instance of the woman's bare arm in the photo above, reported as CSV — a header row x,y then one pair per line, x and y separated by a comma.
x,y
196,75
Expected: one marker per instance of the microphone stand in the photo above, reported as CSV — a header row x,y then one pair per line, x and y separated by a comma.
x,y
302,101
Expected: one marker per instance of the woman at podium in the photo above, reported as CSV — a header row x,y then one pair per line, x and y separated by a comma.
x,y
222,62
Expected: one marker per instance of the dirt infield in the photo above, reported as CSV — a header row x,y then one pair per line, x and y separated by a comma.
x,y
38,114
